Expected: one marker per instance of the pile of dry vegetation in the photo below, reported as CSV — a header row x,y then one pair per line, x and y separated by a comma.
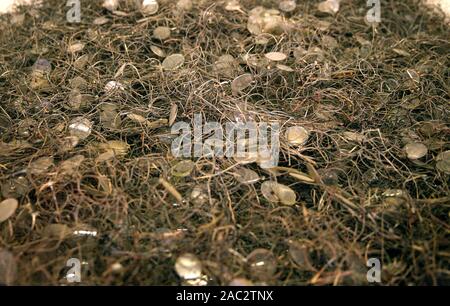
x,y
87,172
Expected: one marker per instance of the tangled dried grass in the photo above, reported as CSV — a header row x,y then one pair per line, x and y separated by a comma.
x,y
356,97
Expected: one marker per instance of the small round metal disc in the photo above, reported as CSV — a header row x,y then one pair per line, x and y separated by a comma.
x,y
241,82
188,266
76,47
80,127
443,162
183,168
173,61
262,264
278,193
284,68
287,6
8,267
267,190
150,7
7,209
100,21
247,176
297,135
276,56
158,51
161,33
415,150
